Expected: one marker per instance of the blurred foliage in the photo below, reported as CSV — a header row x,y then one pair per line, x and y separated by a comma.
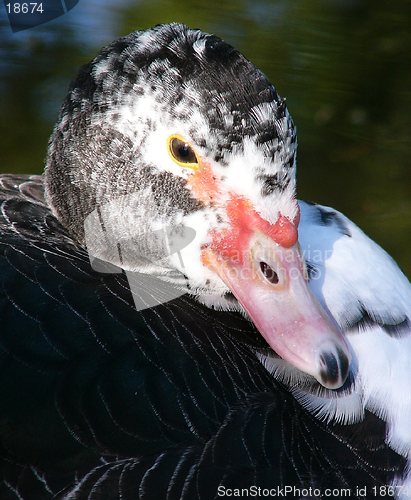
x,y
344,66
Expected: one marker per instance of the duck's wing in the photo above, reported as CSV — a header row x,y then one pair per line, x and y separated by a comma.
x,y
370,298
357,280
100,401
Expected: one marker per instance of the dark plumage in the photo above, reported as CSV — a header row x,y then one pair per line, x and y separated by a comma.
x,y
169,402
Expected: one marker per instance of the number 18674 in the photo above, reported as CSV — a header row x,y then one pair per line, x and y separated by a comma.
x,y
24,8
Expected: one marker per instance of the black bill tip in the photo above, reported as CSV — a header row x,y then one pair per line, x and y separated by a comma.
x,y
334,367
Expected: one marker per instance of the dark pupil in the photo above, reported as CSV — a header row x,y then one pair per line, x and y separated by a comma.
x,y
183,152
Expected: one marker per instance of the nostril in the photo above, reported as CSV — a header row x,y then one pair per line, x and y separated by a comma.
x,y
269,273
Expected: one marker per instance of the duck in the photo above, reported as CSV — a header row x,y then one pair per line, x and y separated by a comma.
x,y
175,323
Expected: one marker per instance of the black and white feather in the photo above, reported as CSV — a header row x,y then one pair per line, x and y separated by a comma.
x,y
102,400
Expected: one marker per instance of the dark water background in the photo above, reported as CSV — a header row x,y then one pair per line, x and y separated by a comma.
x,y
344,66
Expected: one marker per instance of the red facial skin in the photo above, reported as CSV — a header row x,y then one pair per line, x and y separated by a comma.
x,y
245,221
203,184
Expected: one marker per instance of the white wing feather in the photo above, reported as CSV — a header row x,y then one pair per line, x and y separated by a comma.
x,y
370,298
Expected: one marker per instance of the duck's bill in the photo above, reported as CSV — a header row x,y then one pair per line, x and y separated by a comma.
x,y
269,282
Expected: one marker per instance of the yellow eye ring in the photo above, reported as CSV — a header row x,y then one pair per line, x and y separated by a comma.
x,y
181,152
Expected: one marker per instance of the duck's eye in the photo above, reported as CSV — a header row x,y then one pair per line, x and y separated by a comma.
x,y
181,152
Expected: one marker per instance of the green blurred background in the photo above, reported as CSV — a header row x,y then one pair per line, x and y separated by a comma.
x,y
344,66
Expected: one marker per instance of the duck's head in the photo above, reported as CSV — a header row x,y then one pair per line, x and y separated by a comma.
x,y
172,127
